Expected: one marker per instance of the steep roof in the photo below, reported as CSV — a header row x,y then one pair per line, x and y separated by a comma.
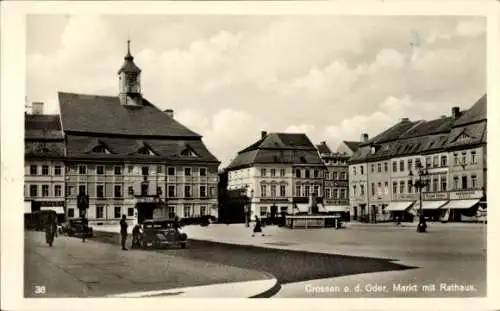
x,y
392,133
423,128
128,148
353,145
105,115
476,113
42,127
278,148
323,148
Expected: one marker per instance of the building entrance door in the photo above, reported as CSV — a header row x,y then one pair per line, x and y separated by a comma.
x,y
144,211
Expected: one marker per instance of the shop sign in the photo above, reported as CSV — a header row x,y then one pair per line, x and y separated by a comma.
x,y
277,200
51,203
465,195
436,196
337,202
405,197
338,183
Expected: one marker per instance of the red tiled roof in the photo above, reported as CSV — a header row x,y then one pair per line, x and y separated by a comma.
x,y
105,115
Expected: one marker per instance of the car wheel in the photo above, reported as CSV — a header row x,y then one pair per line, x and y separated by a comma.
x,y
183,245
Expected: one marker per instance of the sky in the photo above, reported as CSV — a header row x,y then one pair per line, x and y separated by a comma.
x,y
230,77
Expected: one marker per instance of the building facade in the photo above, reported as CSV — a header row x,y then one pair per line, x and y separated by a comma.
x,y
131,158
280,173
452,151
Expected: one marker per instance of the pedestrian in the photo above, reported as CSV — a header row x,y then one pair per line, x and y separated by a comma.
x,y
258,226
50,228
135,236
123,231
85,228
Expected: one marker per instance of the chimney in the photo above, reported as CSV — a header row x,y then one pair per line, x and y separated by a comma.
x,y
455,112
263,134
405,120
364,137
323,142
37,108
170,113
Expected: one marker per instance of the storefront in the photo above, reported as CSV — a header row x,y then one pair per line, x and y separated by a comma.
x,y
464,205
400,210
432,205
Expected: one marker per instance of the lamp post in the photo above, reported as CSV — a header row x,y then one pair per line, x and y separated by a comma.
x,y
420,183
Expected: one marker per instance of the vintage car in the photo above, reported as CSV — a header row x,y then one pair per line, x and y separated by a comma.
x,y
158,233
74,227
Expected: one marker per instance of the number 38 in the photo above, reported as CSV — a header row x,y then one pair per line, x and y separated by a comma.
x,y
39,289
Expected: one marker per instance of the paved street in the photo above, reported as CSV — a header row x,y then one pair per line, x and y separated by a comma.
x,y
75,269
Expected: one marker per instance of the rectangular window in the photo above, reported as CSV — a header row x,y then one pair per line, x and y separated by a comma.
x,y
401,166
187,211
372,168
410,186
435,161
435,184
273,172
118,212
203,210
401,187
45,170
99,211
263,211
316,174
473,179
307,190
410,165
354,170
297,190
373,189
159,169
455,158
307,174
263,190
282,172
130,169
130,212
316,190
342,176
71,212
335,194
428,162
362,189
342,194
418,163
171,191
70,190
100,170
118,191
455,182
211,192
444,161
33,190
327,175
386,167
82,169
171,171
57,170
45,190
444,183
394,187
263,172
187,191
273,191
297,173
33,170
82,189
464,182
144,189
159,191
203,191
283,191
361,170
379,167
379,188
473,157
145,171
394,166
464,158
100,191
130,191
118,170
171,212
58,190
327,193
187,171
354,190
203,171
335,175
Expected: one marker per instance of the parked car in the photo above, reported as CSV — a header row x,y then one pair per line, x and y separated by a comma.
x,y
74,227
158,233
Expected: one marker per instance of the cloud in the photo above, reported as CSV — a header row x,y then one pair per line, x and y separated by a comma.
x,y
471,28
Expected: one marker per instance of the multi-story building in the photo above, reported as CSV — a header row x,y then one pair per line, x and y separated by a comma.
x,y
44,162
450,148
336,185
280,173
131,158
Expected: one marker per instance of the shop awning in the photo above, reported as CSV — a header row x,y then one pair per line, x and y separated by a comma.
x,y
461,204
430,205
303,208
27,206
57,209
337,208
398,206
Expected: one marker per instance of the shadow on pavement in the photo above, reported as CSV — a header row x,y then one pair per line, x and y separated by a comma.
x,y
287,266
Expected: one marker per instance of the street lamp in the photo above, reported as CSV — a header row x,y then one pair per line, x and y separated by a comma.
x,y
419,184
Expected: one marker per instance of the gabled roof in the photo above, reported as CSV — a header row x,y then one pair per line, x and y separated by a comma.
x,y
278,148
352,145
476,113
323,148
105,115
423,128
392,133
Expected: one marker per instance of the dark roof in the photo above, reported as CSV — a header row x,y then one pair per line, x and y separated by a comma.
x,y
105,115
128,148
323,148
128,64
42,127
353,145
44,149
279,148
423,128
476,113
391,133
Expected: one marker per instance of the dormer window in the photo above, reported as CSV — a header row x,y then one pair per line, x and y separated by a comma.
x,y
100,149
463,137
145,151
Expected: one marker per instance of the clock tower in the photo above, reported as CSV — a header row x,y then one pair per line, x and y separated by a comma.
x,y
130,81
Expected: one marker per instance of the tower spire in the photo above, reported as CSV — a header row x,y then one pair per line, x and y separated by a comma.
x,y
129,55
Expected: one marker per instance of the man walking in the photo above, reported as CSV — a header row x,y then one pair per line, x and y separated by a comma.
x,y
123,231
